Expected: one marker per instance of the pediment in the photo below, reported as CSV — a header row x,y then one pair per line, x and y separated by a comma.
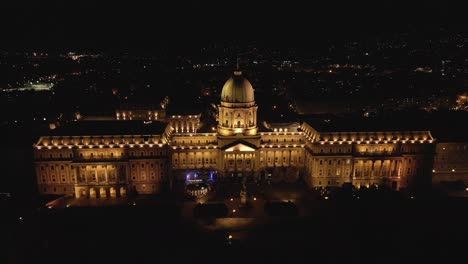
x,y
239,146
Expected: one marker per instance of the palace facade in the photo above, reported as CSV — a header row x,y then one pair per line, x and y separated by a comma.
x,y
145,149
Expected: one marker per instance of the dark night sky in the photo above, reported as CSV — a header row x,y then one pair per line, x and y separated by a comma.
x,y
35,23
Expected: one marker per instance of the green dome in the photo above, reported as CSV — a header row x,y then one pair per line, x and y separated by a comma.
x,y
237,90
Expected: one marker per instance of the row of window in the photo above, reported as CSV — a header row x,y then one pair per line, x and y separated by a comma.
x,y
112,140
199,161
339,150
337,172
277,160
284,140
54,189
191,142
100,155
60,155
143,165
348,161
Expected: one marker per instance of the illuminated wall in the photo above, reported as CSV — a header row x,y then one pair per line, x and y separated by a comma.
x,y
397,159
185,123
101,166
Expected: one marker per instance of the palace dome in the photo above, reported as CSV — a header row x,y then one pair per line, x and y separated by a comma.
x,y
237,90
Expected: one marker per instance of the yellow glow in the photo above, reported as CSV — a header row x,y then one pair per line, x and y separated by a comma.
x,y
255,199
230,236
240,147
233,210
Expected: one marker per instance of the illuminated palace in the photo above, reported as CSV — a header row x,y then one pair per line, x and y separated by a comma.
x,y
114,158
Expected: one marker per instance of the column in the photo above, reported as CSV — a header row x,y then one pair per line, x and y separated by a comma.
x,y
246,119
390,168
274,158
399,169
96,174
381,167
105,171
254,118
